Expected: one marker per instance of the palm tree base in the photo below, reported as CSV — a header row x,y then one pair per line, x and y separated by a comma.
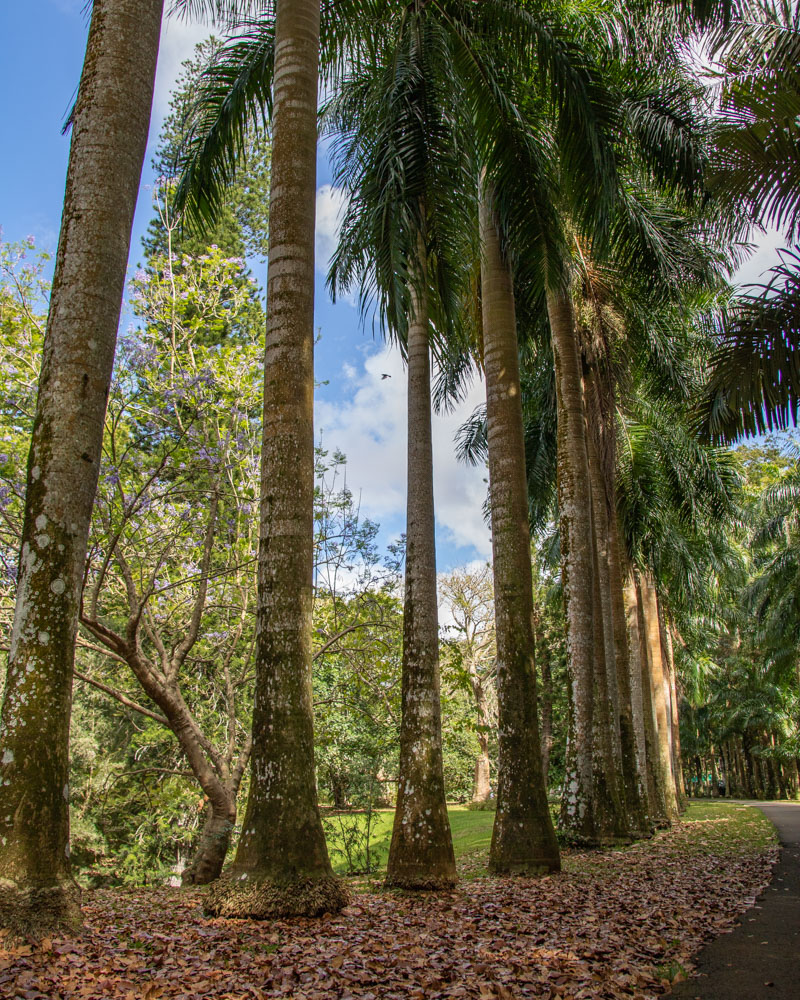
x,y
258,896
594,843
34,909
421,881
531,868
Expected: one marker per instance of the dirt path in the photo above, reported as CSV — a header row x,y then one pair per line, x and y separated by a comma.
x,y
760,959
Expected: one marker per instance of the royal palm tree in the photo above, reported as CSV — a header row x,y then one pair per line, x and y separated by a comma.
x,y
399,159
281,866
110,123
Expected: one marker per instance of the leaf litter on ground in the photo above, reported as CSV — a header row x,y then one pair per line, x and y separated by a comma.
x,y
613,924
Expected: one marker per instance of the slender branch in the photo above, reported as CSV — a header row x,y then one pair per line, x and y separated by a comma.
x,y
120,697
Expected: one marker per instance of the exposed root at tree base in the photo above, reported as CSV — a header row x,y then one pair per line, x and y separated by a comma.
x,y
33,911
259,897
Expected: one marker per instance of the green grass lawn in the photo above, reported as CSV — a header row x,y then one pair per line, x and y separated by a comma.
x,y
472,832
710,825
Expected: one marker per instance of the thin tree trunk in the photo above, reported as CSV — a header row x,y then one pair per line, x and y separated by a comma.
x,y
481,784
421,851
672,686
659,690
714,775
655,780
523,837
635,680
110,125
281,866
212,848
547,709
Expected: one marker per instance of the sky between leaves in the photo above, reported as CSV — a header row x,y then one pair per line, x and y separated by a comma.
x,y
358,410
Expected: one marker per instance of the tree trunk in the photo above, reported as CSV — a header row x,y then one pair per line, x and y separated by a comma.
x,y
659,691
523,838
110,126
588,815
547,710
675,722
635,680
657,806
481,784
421,852
212,848
281,866
628,788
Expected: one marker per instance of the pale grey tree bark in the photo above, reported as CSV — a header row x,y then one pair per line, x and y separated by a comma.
x,y
110,124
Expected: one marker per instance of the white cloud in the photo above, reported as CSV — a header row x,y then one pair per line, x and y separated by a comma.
x,y
765,256
331,206
179,36
370,428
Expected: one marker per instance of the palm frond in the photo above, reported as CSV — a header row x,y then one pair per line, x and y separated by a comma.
x,y
754,385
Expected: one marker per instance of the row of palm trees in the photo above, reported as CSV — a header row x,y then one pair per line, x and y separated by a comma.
x,y
504,164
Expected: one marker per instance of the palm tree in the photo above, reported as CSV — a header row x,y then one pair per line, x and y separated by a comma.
x,y
281,866
523,838
754,383
399,159
110,123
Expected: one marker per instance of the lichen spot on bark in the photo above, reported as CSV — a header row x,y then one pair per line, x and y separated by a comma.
x,y
8,757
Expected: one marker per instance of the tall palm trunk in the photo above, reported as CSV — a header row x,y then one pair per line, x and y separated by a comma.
x,y
659,690
523,838
672,680
656,789
421,852
635,646
110,126
281,866
588,808
577,567
601,441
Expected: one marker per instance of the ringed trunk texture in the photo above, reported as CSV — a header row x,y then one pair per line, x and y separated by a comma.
x,y
110,126
660,690
421,851
588,810
281,866
523,837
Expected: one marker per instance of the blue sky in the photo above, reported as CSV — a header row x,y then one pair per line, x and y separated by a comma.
x,y
358,411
